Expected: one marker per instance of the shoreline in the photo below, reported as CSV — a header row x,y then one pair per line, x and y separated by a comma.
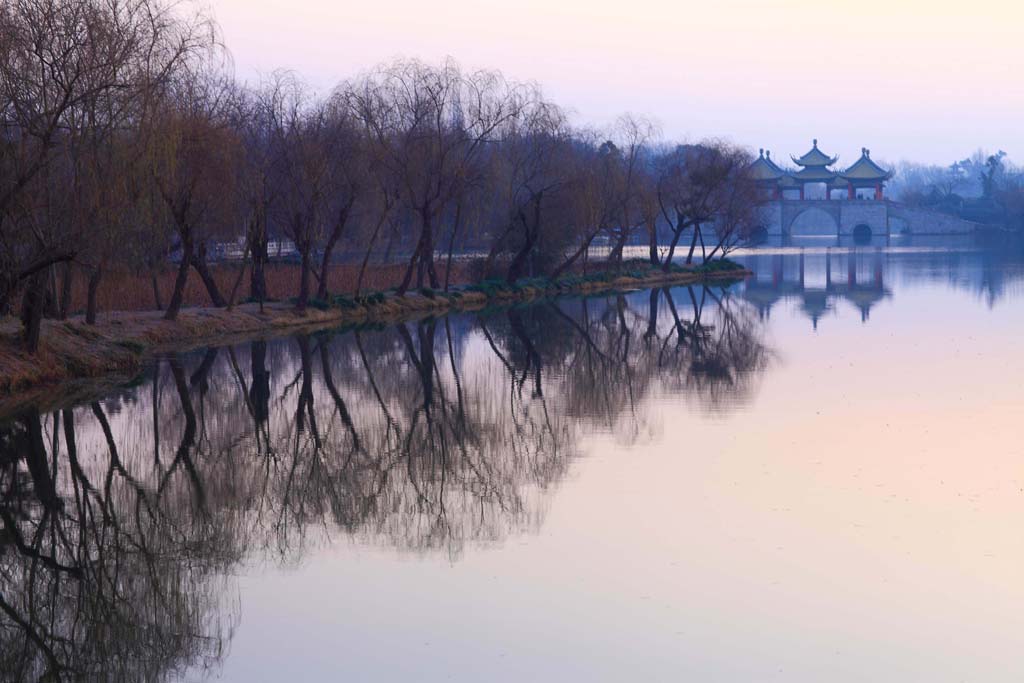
x,y
116,348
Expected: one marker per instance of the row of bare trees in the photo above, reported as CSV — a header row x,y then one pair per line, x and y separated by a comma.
x,y
125,139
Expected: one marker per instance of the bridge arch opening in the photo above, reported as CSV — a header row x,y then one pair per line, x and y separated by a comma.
x,y
862,234
814,221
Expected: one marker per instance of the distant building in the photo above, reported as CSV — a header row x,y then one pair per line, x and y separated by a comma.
x,y
815,169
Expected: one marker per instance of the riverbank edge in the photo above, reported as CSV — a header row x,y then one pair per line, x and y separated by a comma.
x,y
118,345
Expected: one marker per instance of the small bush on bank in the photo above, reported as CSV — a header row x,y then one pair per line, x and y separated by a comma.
x,y
369,298
489,287
719,266
344,302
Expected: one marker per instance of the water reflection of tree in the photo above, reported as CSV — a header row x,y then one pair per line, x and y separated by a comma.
x,y
100,576
611,354
121,519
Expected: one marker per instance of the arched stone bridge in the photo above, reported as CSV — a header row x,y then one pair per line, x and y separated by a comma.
x,y
862,217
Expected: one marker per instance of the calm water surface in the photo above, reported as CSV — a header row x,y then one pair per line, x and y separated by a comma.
x,y
815,475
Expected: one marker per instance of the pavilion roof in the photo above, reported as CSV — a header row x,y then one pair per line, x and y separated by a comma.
x,y
815,157
866,169
814,174
764,168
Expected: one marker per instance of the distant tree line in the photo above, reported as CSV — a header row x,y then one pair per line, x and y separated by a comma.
x,y
126,138
985,188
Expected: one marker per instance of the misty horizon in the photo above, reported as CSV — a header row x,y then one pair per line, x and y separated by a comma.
x,y
754,75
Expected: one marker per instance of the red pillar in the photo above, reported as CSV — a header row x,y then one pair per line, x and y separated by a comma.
x,y
878,192
801,191
828,192
851,193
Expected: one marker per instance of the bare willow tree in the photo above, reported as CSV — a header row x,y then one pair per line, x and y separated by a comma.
x,y
533,171
596,207
348,182
304,154
191,151
634,135
70,70
254,120
431,126
697,183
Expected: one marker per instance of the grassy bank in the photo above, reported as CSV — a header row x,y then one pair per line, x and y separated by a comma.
x,y
119,343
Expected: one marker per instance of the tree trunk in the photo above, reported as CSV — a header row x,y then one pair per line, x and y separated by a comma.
x,y
332,241
369,250
157,299
238,280
258,244
67,282
572,259
677,232
421,270
207,277
615,256
515,269
390,245
94,285
303,299
51,308
652,236
427,254
492,255
532,234
693,244
32,310
180,281
407,278
451,245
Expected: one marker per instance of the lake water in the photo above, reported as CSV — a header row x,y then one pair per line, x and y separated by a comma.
x,y
815,475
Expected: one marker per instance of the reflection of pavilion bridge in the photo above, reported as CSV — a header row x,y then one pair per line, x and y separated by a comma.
x,y
849,275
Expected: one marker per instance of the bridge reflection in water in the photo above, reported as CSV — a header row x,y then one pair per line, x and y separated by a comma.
x,y
819,279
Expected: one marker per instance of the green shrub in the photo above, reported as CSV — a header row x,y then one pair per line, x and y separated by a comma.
x,y
721,265
344,302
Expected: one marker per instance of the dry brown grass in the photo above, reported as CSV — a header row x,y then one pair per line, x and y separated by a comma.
x,y
127,291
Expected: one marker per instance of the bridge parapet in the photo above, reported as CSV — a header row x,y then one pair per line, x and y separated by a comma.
x,y
845,217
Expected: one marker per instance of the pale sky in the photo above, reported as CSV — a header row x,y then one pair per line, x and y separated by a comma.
x,y
926,81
